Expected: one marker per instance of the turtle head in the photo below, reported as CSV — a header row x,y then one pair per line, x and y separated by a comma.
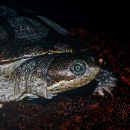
x,y
71,70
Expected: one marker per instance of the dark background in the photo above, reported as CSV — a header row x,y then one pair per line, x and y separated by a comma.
x,y
108,17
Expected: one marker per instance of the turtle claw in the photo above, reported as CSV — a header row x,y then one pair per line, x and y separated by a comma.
x,y
106,83
103,90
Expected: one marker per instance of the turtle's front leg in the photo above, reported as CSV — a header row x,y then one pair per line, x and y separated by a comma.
x,y
106,83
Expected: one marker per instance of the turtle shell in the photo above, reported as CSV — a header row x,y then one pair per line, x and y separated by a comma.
x,y
26,26
25,34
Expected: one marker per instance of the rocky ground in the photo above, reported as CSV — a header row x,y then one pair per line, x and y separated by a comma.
x,y
80,112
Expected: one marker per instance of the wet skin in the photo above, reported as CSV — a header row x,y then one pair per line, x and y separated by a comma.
x,y
46,75
50,74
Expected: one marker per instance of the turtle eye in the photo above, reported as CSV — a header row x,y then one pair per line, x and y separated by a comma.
x,y
78,68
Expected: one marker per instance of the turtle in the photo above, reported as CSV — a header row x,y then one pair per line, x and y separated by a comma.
x,y
39,57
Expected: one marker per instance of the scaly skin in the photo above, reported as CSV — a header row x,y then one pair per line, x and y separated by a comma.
x,y
45,75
